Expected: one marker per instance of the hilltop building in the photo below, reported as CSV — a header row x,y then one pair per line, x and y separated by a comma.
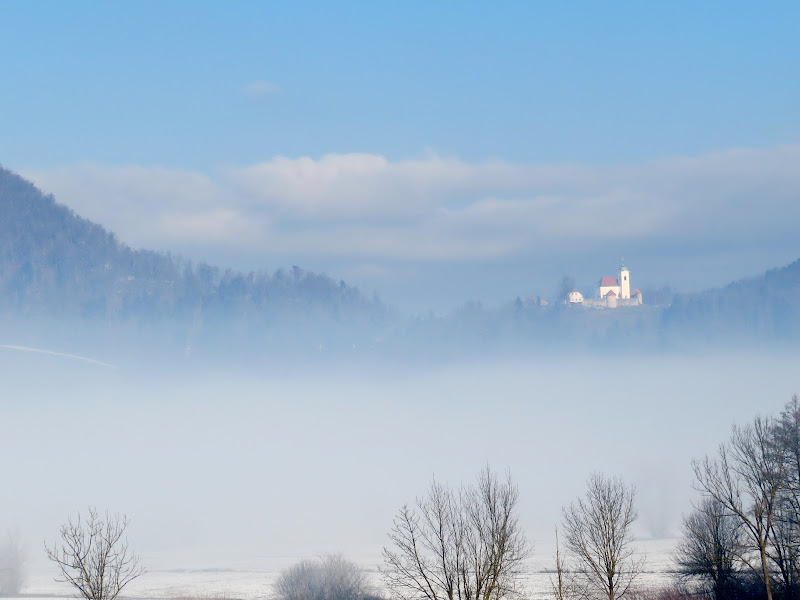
x,y
575,297
612,292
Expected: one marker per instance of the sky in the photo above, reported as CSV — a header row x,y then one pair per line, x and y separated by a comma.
x,y
432,152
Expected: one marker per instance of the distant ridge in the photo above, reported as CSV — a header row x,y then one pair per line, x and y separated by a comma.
x,y
762,307
57,267
762,311
54,262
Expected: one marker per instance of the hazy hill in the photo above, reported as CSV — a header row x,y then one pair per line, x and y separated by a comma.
x,y
54,263
56,268
763,310
766,307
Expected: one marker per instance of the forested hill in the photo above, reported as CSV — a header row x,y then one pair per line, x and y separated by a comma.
x,y
55,263
759,311
56,267
764,307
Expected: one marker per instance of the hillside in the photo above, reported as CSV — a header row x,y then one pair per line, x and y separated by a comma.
x,y
763,310
54,263
57,267
766,307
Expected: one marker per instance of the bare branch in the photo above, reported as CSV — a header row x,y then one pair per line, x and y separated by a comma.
x,y
93,556
458,546
598,533
746,479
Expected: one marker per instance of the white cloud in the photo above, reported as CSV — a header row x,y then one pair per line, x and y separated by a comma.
x,y
145,206
364,206
219,226
257,89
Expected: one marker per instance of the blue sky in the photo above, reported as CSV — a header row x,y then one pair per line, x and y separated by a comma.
x,y
463,149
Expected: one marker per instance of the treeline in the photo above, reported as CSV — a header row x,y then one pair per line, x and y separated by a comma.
x,y
762,311
54,263
759,308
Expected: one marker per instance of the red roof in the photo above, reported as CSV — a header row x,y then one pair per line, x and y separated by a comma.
x,y
636,291
611,293
608,281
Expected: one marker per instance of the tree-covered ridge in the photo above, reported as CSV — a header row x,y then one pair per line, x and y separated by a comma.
x,y
767,307
54,262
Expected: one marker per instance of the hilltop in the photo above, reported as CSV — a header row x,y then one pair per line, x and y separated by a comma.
x,y
763,310
766,307
56,264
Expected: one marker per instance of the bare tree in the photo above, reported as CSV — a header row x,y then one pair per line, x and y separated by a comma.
x,y
458,545
746,478
786,524
330,578
788,437
561,587
784,548
598,535
711,547
93,556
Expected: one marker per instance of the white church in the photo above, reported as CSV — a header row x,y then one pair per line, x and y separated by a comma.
x,y
611,293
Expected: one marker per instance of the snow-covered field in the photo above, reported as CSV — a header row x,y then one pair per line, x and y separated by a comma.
x,y
252,579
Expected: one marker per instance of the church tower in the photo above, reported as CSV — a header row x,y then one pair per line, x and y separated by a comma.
x,y
624,282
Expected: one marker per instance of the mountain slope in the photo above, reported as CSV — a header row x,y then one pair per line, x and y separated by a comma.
x,y
54,262
763,307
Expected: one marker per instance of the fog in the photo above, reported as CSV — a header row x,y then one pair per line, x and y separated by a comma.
x,y
217,467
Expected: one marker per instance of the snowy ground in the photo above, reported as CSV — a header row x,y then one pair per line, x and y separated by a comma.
x,y
252,579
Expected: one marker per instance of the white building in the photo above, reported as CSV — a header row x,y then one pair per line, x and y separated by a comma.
x,y
575,297
615,291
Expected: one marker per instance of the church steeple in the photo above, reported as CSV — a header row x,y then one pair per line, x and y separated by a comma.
x,y
624,281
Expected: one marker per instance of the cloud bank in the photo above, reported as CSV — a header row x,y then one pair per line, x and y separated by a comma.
x,y
439,209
